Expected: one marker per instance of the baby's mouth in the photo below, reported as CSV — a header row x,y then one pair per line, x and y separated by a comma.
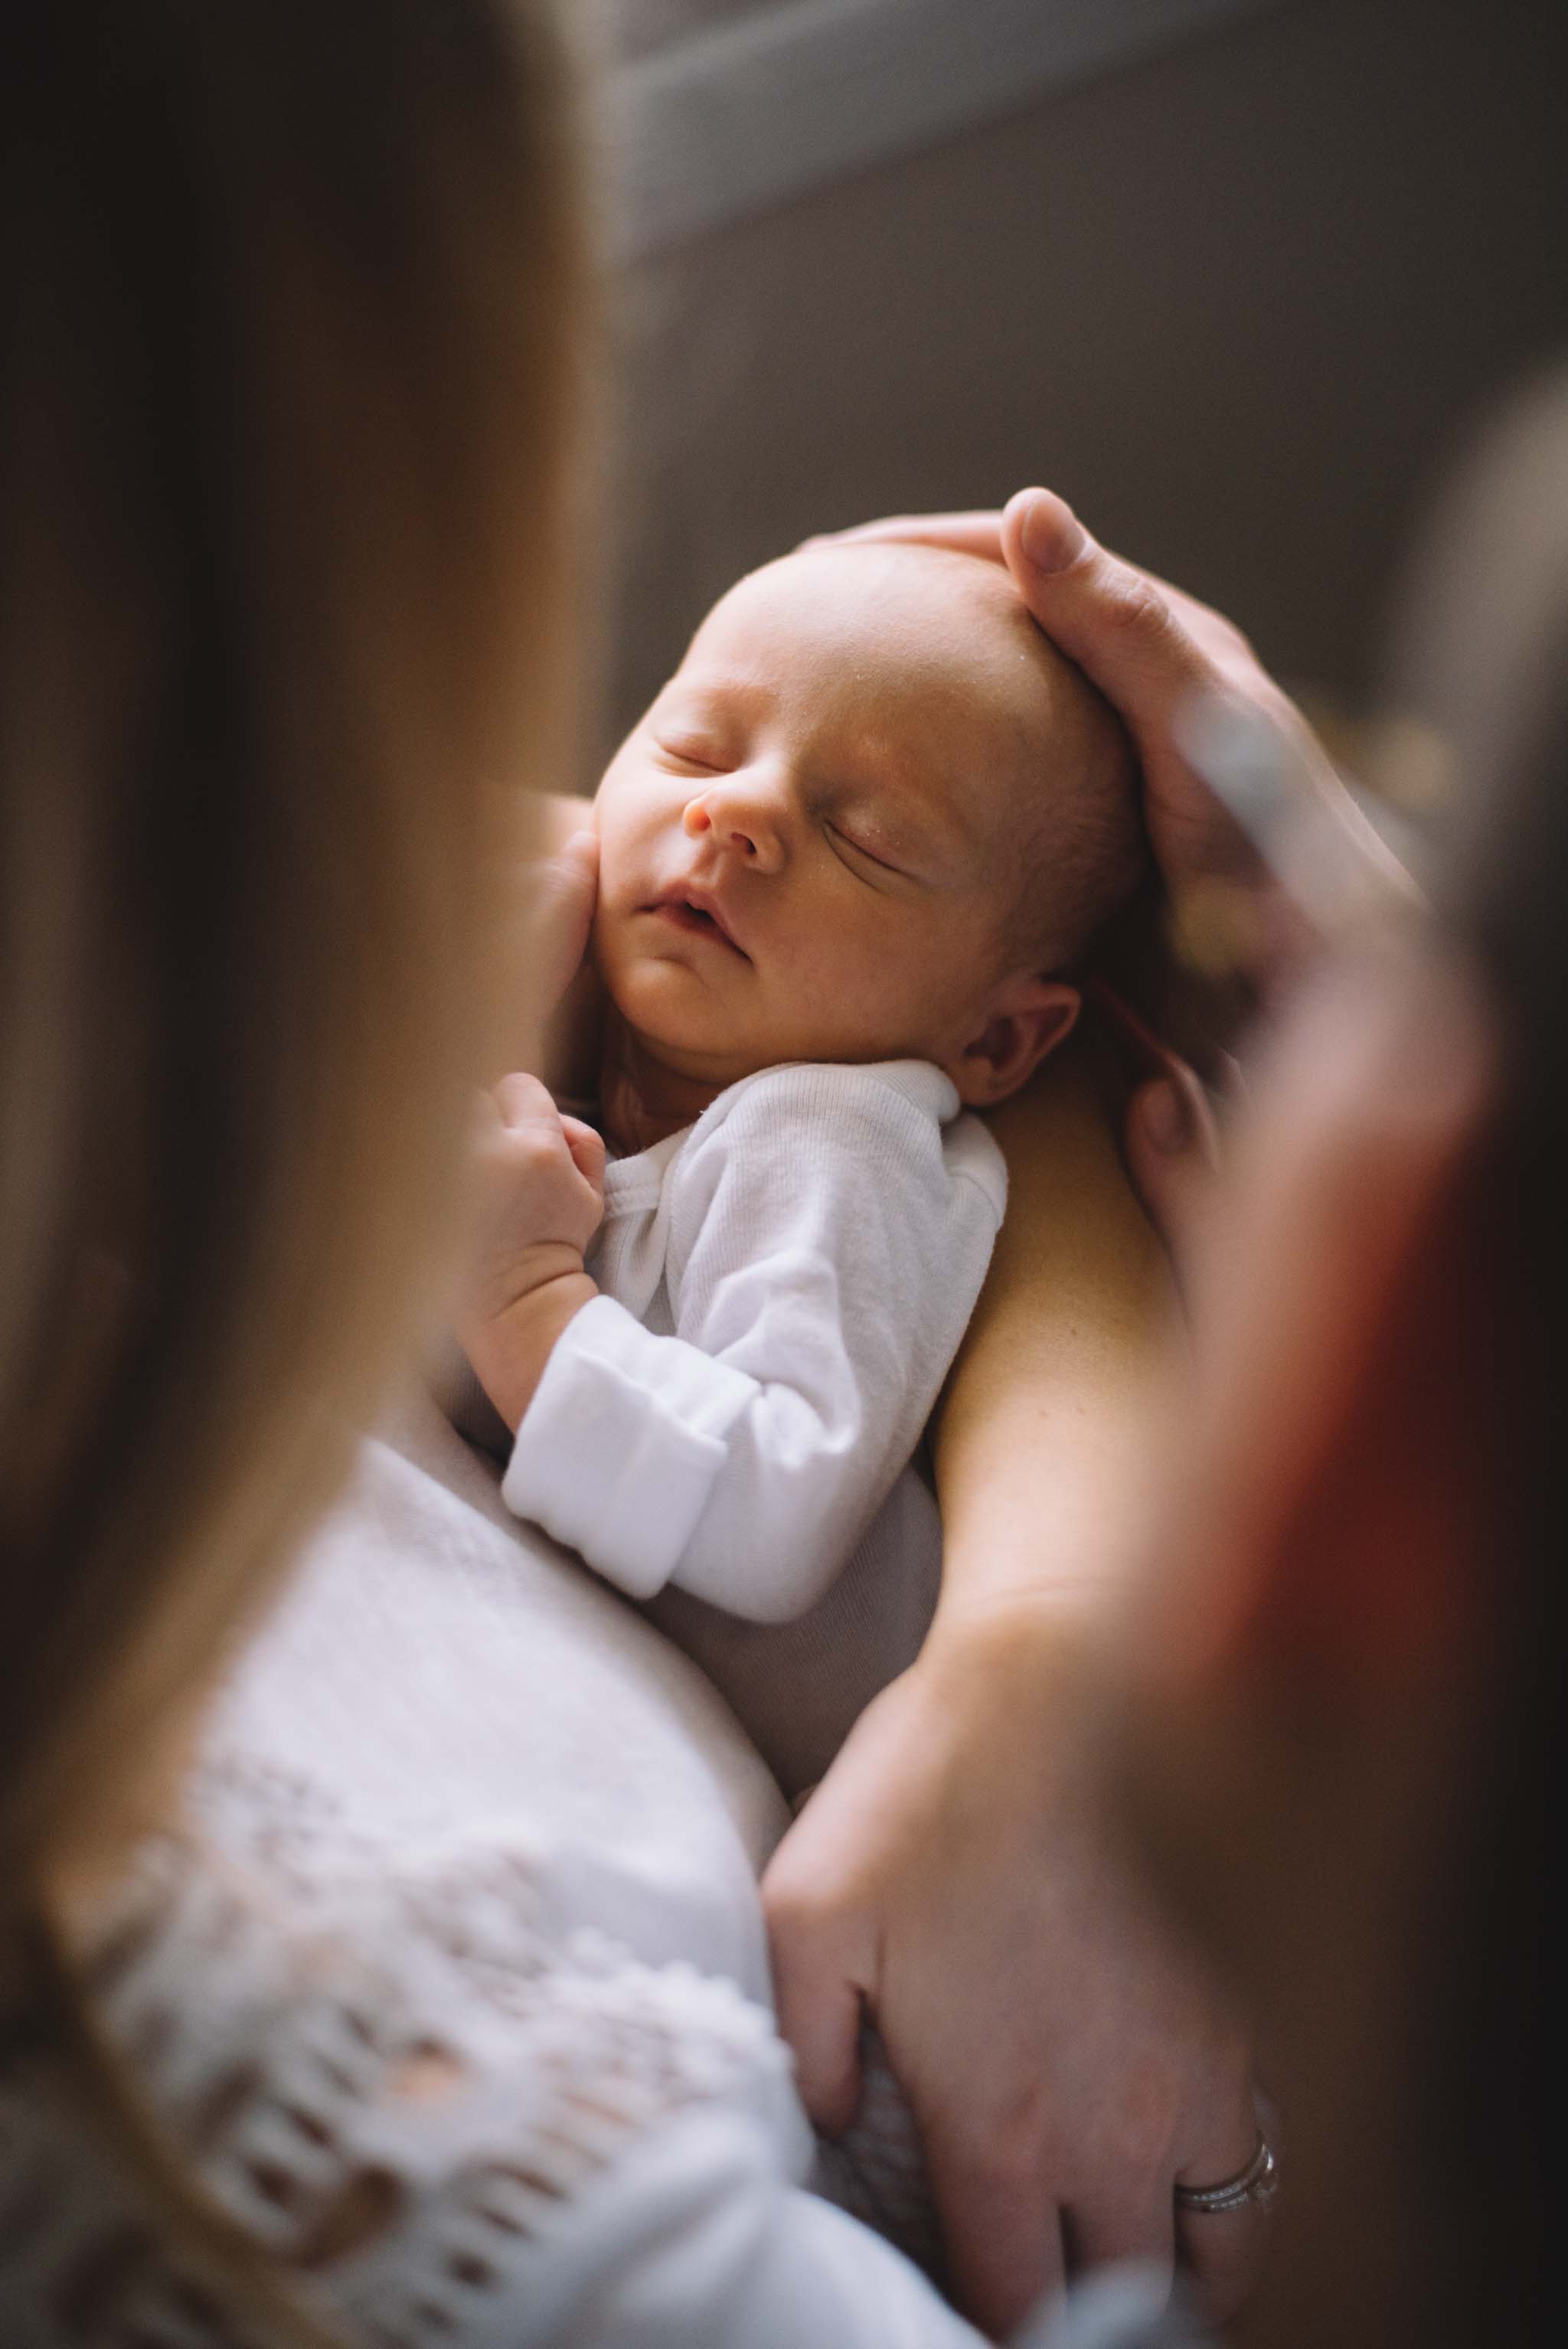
x,y
698,919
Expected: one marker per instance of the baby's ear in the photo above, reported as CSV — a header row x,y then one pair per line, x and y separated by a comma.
x,y
1026,1019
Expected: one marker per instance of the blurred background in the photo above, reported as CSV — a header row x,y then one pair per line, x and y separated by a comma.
x,y
1234,275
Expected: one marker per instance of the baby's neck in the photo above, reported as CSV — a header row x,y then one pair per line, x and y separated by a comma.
x,y
642,1100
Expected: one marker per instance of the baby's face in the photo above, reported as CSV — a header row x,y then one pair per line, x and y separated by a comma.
x,y
805,843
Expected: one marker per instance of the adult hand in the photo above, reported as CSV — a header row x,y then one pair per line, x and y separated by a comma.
x,y
1171,1153
546,986
1066,2062
1170,1138
1153,651
559,892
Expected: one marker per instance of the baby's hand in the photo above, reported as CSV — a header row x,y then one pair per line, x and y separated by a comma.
x,y
537,1200
540,1187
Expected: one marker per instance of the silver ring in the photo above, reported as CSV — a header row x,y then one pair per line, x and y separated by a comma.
x,y
1258,2182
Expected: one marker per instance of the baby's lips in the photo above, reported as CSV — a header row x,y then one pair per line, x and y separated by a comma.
x,y
697,900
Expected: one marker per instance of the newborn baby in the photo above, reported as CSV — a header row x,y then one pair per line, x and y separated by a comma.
x,y
849,861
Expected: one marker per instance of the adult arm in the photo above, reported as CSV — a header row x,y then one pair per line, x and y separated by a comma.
x,y
1064,2059
1064,2063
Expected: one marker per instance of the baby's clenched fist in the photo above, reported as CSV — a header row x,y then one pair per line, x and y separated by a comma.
x,y
538,1198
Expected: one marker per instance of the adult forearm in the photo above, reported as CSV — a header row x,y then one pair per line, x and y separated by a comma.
x,y
1045,1431
948,1876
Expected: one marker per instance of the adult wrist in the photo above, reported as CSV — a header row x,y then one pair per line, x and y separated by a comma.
x,y
1025,1655
978,1614
1002,1702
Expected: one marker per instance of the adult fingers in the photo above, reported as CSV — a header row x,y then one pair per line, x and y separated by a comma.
x,y
568,880
979,531
1125,632
1137,2225
820,2009
826,2038
1230,1081
1000,2227
1223,2253
1216,635
559,894
1173,1156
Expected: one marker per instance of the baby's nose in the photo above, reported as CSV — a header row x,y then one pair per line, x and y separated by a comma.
x,y
739,821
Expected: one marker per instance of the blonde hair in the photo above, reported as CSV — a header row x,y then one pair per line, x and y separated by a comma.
x,y
290,287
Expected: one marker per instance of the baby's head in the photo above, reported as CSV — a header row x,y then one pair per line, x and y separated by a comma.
x,y
873,815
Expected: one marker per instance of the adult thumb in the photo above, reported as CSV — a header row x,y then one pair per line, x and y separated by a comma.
x,y
1173,1156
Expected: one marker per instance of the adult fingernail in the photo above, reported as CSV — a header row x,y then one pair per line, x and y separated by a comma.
x,y
1164,1115
1051,533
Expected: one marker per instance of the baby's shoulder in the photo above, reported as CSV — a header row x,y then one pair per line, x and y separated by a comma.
x,y
836,1096
893,1123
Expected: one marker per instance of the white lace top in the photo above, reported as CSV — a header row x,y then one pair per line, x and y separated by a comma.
x,y
451,2124
439,2049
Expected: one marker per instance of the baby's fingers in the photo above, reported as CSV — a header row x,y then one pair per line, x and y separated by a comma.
x,y
587,1150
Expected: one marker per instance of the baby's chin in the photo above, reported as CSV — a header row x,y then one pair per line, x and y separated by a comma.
x,y
682,1022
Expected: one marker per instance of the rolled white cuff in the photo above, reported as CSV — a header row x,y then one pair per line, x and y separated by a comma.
x,y
619,1449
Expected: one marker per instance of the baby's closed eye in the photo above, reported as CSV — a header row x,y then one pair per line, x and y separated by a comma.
x,y
855,851
683,750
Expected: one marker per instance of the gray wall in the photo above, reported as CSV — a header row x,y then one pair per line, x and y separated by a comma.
x,y
1236,302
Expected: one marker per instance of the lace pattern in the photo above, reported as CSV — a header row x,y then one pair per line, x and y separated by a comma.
x,y
408,2131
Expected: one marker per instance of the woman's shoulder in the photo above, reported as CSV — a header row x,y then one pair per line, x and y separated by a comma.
x,y
407,2088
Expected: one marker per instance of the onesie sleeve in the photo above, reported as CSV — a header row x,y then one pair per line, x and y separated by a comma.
x,y
827,1238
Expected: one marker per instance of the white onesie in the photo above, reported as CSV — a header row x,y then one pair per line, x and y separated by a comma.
x,y
726,1430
